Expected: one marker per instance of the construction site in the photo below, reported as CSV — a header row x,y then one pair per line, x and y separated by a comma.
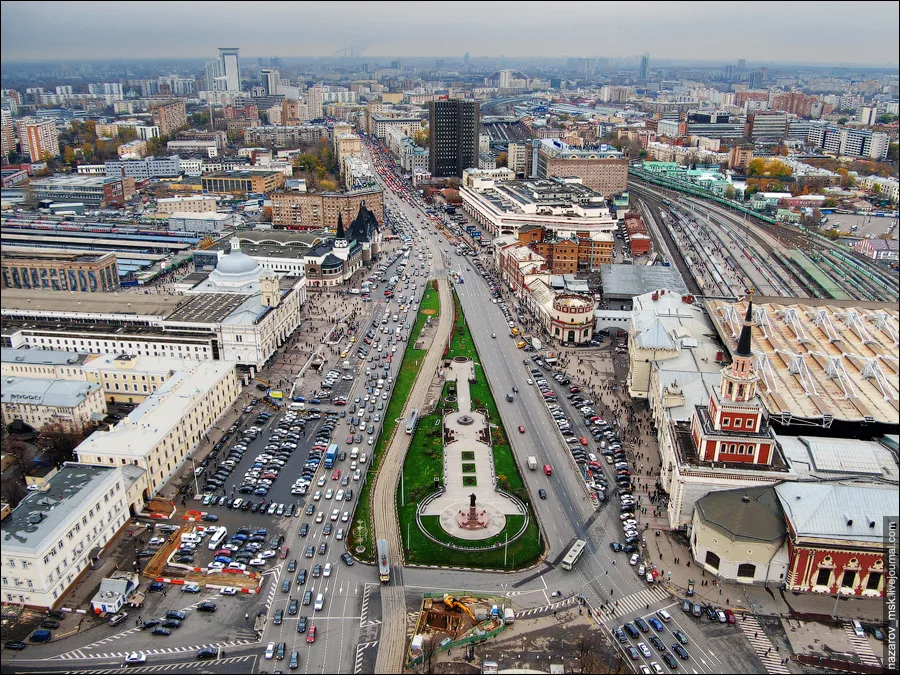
x,y
446,621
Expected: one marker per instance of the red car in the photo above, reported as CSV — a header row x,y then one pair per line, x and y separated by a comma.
x,y
284,552
521,429
583,440
574,390
311,634
336,475
729,615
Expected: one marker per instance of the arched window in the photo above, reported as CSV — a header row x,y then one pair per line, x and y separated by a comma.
x,y
746,570
712,560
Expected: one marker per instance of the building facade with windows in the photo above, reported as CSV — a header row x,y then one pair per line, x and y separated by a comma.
x,y
40,403
603,169
82,272
97,191
38,138
53,537
166,427
317,211
453,139
242,182
169,117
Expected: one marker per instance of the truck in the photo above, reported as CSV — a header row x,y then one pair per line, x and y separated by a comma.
x,y
331,455
509,616
536,344
532,463
346,365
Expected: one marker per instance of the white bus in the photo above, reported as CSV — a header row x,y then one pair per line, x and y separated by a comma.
x,y
412,421
574,554
217,538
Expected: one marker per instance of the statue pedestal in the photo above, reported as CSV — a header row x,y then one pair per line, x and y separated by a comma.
x,y
473,520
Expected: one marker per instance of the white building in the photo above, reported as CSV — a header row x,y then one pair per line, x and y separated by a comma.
x,y
52,538
502,207
166,427
43,402
196,204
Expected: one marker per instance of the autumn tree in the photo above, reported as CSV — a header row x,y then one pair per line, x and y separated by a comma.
x,y
502,160
421,137
326,185
769,168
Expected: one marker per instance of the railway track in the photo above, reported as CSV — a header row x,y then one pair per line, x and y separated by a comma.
x,y
392,643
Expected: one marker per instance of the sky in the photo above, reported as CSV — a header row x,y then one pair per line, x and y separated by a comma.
x,y
795,32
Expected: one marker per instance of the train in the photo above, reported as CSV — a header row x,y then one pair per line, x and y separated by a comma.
x,y
69,226
384,565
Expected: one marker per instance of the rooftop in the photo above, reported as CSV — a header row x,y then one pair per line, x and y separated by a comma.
x,y
628,281
75,181
148,424
41,514
820,360
42,357
52,393
61,302
749,514
813,457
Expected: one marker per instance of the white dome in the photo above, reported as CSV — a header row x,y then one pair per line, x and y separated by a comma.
x,y
237,262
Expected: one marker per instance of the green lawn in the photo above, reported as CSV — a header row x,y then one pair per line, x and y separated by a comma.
x,y
422,463
468,455
468,467
520,553
361,530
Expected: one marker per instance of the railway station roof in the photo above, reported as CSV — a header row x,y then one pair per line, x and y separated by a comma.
x,y
820,361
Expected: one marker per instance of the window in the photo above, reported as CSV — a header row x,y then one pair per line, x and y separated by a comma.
x,y
746,570
726,421
712,560
849,579
872,583
823,577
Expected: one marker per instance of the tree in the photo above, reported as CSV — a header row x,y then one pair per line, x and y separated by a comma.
x,y
58,442
21,455
326,185
429,649
68,155
843,120
587,653
502,160
421,137
729,192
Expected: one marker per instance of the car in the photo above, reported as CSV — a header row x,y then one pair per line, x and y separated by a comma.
x,y
311,635
286,585
670,660
302,623
644,649
279,650
656,623
730,617
646,670
270,650
615,546
307,597
228,590
657,643
542,493
348,559
150,623
631,630
278,618
301,577
304,529
293,606
323,548
642,625
682,638
521,429
316,571
632,652
656,668
206,606
294,660
681,651
14,645
720,616
292,565
207,653
134,658
161,630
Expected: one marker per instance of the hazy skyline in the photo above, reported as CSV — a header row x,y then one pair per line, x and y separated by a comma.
x,y
797,32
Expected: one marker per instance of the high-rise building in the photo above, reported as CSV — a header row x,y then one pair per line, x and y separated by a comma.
x,y
645,66
169,117
7,134
271,81
742,64
39,138
505,77
231,67
453,142
315,98
212,70
466,60
756,79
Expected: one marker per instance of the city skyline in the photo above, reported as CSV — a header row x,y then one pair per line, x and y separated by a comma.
x,y
668,31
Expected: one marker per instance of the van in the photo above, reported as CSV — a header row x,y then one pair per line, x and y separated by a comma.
x,y
354,453
190,538
41,635
296,405
548,470
857,628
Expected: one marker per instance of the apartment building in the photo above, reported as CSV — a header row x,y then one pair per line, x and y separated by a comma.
x,y
169,117
42,402
54,536
39,138
92,190
315,211
242,182
197,204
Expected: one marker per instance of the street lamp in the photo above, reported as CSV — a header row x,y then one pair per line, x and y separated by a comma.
x,y
196,486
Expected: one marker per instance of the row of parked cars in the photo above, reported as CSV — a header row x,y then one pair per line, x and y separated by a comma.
x,y
635,629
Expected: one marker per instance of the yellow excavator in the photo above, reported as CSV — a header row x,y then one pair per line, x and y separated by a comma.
x,y
453,603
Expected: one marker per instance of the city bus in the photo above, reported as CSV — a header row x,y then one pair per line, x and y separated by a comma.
x,y
574,554
384,567
412,421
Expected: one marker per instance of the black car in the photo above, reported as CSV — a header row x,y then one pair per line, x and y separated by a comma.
x,y
293,606
642,625
279,617
208,653
161,630
304,529
16,645
632,631
711,613
286,585
681,651
670,660
301,624
56,614
542,493
206,606
620,635
279,650
656,642
150,623
307,597
52,624
323,547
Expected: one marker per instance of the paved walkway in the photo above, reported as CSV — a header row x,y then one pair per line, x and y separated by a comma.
x,y
467,431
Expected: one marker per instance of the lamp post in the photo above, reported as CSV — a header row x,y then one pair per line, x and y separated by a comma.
x,y
196,486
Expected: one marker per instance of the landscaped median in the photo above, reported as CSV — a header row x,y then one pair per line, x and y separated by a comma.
x,y
423,467
361,532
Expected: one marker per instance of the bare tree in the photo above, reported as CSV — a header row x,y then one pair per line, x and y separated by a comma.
x,y
59,441
429,649
587,653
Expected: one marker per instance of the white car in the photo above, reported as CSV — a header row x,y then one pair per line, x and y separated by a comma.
x,y
335,514
265,555
321,481
329,493
317,495
257,562
215,566
371,440
357,476
345,516
634,559
135,657
327,571
228,590
270,650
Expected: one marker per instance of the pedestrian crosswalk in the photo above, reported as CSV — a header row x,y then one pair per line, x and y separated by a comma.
x,y
765,650
544,609
861,647
636,602
82,654
165,667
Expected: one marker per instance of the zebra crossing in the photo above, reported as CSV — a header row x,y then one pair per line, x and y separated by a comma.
x,y
861,647
163,668
762,646
543,609
360,653
636,602
81,654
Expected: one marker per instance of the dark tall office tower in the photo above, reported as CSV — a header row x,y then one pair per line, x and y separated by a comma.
x,y
742,64
453,143
645,66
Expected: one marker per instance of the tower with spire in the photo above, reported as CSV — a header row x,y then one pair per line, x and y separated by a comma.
x,y
340,240
732,427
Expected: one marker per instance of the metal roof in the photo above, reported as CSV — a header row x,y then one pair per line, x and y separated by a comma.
x,y
53,393
837,511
